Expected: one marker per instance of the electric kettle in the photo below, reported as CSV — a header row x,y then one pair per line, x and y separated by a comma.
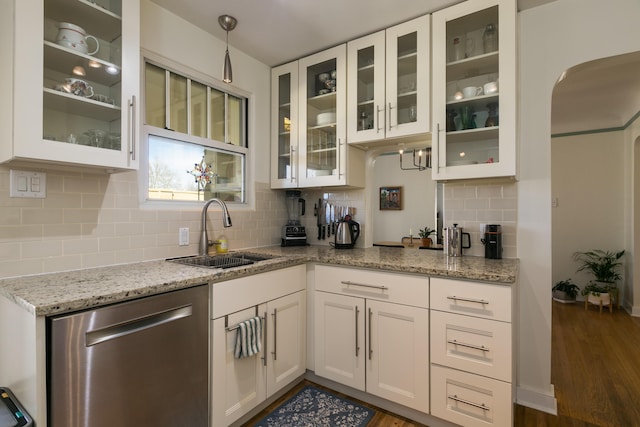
x,y
346,234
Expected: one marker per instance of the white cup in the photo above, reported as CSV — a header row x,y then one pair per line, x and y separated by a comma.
x,y
491,87
75,37
471,91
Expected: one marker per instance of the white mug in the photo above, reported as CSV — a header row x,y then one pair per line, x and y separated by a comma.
x,y
75,37
471,91
491,87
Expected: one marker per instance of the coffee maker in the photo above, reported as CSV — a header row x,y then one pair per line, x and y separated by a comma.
x,y
294,234
492,241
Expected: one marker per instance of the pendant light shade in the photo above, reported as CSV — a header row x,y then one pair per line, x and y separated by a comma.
x,y
228,23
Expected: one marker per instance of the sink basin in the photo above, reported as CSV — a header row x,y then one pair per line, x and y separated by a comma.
x,y
235,259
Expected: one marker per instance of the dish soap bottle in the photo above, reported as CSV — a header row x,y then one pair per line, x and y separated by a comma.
x,y
222,244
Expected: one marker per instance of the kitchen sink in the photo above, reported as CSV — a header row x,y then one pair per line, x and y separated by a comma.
x,y
235,259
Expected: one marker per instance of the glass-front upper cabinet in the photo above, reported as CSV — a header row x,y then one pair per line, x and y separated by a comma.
x,y
388,90
474,90
284,126
322,145
76,64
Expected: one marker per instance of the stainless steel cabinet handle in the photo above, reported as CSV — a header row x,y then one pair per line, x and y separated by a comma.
x,y
357,347
339,157
265,342
364,285
438,146
370,334
390,108
468,402
275,334
479,301
475,347
129,327
378,110
291,159
132,117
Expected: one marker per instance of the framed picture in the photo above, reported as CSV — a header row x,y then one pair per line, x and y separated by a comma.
x,y
390,198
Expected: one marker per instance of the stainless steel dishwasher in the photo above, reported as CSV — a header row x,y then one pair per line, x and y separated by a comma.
x,y
137,363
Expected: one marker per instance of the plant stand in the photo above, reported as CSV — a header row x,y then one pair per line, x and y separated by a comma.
x,y
603,300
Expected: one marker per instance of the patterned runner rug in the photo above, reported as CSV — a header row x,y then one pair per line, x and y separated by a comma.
x,y
313,407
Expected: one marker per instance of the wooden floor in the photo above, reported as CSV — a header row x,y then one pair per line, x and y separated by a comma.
x,y
595,369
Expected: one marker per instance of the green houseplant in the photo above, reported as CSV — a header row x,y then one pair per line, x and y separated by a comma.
x,y
565,291
603,266
424,234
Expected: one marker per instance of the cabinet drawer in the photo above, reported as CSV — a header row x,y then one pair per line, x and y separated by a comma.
x,y
377,285
474,345
472,298
470,400
237,294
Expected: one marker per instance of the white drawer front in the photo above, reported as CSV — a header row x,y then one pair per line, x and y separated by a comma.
x,y
377,285
470,400
237,294
472,298
474,345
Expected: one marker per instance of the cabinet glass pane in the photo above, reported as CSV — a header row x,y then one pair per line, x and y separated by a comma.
x,y
82,73
234,120
366,88
321,119
473,101
178,103
217,115
407,78
155,96
284,126
198,109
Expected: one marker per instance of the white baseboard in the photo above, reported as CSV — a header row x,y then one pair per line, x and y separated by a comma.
x,y
537,400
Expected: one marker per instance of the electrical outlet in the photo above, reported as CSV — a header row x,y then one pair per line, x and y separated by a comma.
x,y
183,236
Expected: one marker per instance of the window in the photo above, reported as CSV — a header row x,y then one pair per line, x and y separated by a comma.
x,y
196,135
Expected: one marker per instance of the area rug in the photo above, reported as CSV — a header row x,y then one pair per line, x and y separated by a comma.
x,y
313,407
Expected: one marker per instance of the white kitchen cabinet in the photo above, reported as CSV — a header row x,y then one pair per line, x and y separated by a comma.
x,y
362,318
239,385
474,47
94,127
389,83
472,352
284,126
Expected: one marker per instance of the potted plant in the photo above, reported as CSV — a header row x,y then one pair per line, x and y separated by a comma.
x,y
565,291
603,266
424,234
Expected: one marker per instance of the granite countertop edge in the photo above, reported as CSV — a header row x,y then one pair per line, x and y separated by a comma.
x,y
63,292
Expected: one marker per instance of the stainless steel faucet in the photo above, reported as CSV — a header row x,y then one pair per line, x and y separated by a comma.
x,y
203,247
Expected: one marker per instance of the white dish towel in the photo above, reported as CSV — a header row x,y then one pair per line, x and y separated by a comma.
x,y
248,338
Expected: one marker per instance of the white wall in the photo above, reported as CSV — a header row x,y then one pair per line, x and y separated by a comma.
x,y
553,37
419,198
587,179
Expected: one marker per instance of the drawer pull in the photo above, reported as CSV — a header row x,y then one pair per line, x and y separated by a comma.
x,y
349,283
468,402
475,347
357,347
479,301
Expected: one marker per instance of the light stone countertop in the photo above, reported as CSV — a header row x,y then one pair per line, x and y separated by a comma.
x,y
57,293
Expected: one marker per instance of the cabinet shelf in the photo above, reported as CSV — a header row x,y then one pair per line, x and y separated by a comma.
x,y
85,107
470,67
95,19
323,102
472,135
62,59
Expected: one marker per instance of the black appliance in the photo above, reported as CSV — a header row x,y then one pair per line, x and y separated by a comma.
x,y
492,241
12,414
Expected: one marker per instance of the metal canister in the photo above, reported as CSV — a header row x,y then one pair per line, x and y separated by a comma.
x,y
452,239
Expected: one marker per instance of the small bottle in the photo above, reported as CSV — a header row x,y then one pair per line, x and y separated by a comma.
x,y
222,245
363,121
490,38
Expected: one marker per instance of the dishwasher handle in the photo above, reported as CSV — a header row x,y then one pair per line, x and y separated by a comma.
x,y
136,325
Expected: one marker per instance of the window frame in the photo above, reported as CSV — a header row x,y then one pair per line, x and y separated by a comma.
x,y
247,151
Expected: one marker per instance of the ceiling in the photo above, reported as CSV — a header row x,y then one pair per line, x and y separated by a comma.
x,y
597,95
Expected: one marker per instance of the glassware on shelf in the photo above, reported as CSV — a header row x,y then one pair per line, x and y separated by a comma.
x,y
468,117
451,123
490,38
492,119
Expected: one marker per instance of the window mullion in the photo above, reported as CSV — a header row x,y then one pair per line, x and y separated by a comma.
x,y
167,100
189,111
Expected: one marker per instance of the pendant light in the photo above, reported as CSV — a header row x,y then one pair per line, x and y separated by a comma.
x,y
228,23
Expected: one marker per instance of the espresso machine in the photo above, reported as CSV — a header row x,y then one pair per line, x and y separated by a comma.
x,y
293,233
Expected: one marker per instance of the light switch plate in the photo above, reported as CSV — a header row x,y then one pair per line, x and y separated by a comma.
x,y
183,236
27,184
